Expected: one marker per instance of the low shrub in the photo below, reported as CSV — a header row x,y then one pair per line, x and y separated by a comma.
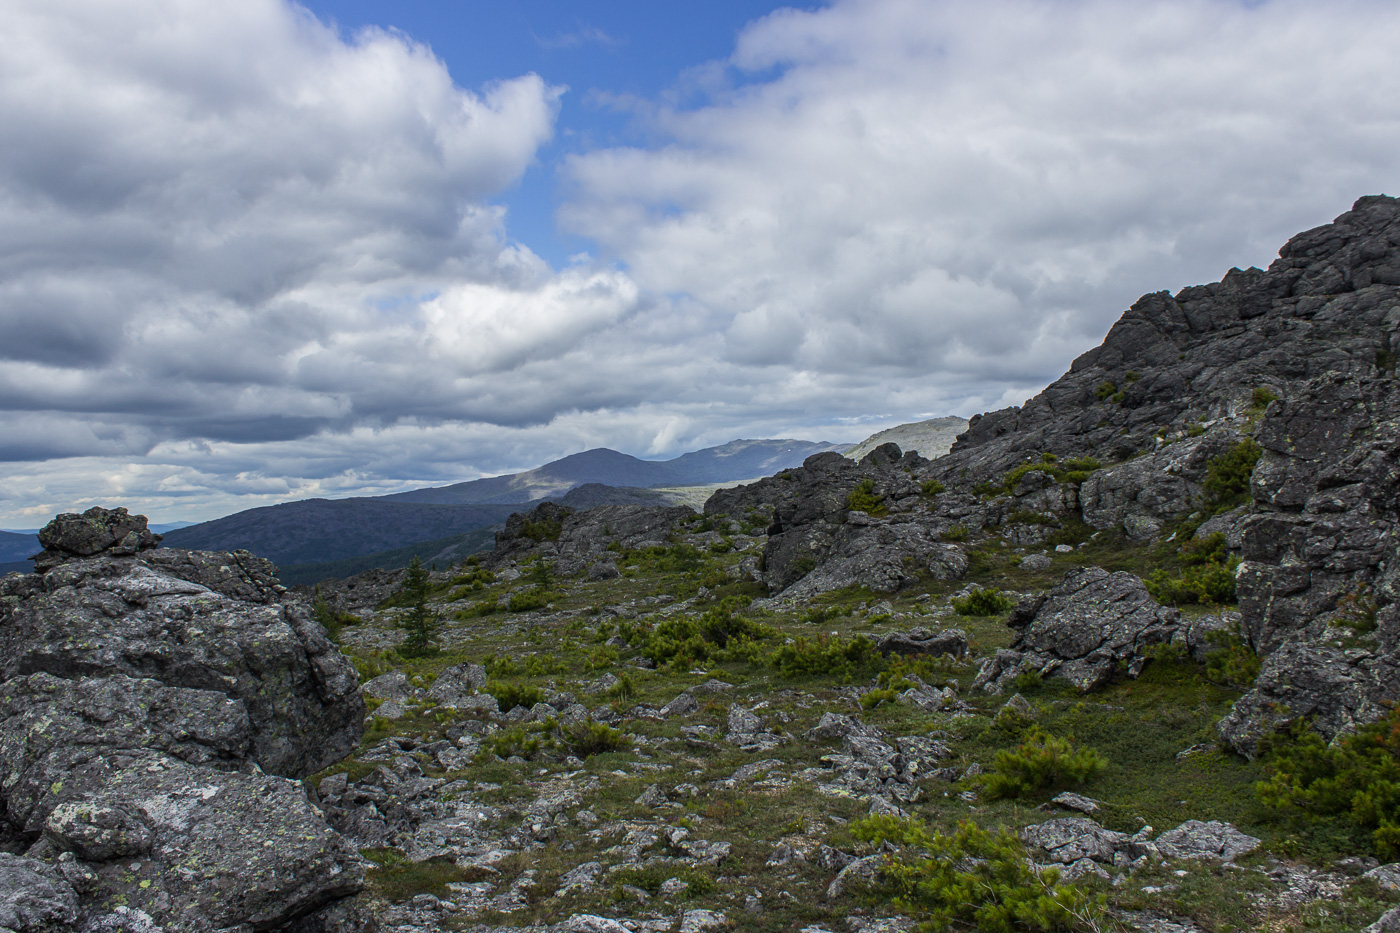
x,y
1233,663
594,738
865,499
977,880
514,742
717,636
509,694
1207,577
982,603
1227,476
1040,763
825,655
955,533
334,621
930,488
529,600
542,530
1356,779
1074,470
878,697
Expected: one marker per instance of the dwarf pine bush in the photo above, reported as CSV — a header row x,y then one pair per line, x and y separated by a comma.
x,y
1042,762
1356,778
983,603
976,880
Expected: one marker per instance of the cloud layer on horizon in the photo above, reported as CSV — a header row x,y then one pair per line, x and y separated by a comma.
x,y
246,258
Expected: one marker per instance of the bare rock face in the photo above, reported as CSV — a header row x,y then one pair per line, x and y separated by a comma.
x,y
575,541
1319,582
154,706
1082,630
818,543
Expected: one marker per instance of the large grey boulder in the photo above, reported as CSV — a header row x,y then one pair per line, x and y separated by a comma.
x,y
154,708
1082,630
1206,840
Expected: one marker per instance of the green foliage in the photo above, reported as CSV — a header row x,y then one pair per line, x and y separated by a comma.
x,y
394,878
1356,778
978,880
1261,398
542,530
1357,611
1227,476
878,697
864,499
650,878
983,603
510,694
528,600
716,636
1233,663
930,488
1074,470
624,689
331,619
422,624
1108,392
1207,577
676,558
820,615
1131,376
1042,762
594,738
825,655
514,742
955,533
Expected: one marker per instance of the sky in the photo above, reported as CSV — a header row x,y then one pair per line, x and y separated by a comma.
x,y
258,251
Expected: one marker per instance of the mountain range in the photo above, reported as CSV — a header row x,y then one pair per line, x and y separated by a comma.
x,y
316,538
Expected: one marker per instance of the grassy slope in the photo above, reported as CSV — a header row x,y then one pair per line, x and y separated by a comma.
x,y
1138,726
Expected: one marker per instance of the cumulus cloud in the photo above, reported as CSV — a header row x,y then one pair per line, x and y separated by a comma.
x,y
969,194
244,257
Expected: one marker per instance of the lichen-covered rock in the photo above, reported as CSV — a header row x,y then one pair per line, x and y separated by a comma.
x,y
1069,839
1141,496
921,641
196,620
34,897
144,696
1212,840
1082,630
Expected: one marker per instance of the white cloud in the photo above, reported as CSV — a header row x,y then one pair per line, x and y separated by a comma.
x,y
961,193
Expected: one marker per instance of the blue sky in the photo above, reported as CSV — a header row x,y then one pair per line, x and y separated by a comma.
x,y
607,53
253,251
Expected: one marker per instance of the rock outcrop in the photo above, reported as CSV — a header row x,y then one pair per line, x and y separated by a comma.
x,y
820,539
575,541
1082,631
154,708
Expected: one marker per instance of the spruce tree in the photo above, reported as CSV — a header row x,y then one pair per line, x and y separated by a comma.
x,y
422,624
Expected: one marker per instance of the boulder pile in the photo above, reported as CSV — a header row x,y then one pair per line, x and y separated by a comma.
x,y
156,709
